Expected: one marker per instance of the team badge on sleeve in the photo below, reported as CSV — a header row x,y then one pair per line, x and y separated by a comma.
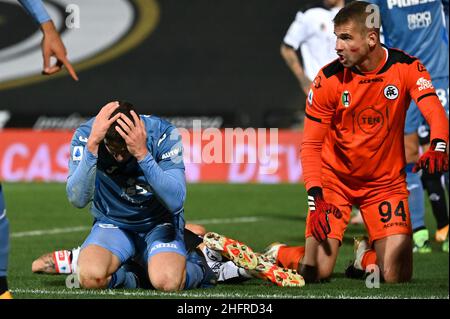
x,y
77,154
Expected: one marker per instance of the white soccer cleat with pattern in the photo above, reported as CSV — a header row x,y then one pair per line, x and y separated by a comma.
x,y
282,277
239,253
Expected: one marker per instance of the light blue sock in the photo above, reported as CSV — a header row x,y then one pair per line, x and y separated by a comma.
x,y
4,237
416,200
123,279
194,272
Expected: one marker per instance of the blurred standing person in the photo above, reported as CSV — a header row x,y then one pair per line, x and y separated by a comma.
x,y
51,45
311,35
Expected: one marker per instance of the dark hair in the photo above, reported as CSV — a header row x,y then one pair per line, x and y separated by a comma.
x,y
112,135
366,15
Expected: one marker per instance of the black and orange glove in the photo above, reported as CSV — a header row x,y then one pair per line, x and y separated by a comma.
x,y
319,210
435,160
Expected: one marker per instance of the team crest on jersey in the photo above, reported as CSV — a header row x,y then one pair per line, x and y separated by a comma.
x,y
391,92
77,154
310,96
346,98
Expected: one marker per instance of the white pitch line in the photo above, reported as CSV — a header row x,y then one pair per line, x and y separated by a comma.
x,y
209,294
53,231
212,221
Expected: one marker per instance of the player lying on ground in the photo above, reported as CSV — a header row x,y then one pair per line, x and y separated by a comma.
x,y
65,262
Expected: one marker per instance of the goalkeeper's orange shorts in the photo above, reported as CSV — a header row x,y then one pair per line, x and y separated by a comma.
x,y
384,209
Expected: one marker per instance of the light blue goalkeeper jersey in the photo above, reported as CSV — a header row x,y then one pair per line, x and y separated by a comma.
x,y
132,195
418,28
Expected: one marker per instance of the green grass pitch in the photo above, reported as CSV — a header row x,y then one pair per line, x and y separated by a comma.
x,y
42,220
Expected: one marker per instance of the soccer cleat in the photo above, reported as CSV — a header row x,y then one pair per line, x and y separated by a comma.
x,y
282,277
441,234
355,269
239,253
271,251
6,295
360,246
421,242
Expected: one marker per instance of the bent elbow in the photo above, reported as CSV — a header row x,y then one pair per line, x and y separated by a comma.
x,y
76,202
75,199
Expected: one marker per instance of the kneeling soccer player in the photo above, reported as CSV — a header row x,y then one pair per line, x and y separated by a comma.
x,y
131,168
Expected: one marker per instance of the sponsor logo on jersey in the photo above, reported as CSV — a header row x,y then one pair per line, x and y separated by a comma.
x,y
419,20
83,139
370,121
391,92
163,245
310,96
77,154
424,84
367,81
107,226
173,152
346,98
406,3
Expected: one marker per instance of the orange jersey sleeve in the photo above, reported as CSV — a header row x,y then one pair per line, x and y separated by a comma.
x,y
320,109
422,91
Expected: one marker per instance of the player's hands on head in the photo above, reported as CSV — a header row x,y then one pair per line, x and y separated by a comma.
x,y
52,46
319,210
101,125
435,160
134,135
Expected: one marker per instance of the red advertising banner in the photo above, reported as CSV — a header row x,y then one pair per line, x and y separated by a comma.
x,y
211,155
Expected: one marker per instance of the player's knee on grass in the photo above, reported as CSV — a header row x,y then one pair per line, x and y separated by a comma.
x,y
92,277
167,280
95,266
167,271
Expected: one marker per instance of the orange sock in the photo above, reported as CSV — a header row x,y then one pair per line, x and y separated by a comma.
x,y
369,258
290,257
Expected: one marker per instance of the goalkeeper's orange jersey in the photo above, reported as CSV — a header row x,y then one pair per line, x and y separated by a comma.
x,y
355,121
